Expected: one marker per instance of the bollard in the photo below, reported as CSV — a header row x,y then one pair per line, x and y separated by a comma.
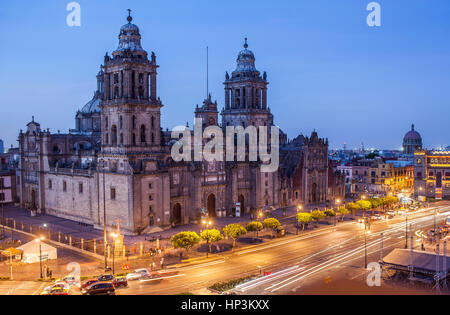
x,y
59,237
82,244
95,246
23,227
141,249
70,240
14,224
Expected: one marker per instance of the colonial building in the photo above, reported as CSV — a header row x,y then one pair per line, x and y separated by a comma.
x,y
432,174
116,165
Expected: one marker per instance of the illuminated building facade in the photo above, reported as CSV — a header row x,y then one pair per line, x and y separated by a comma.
x,y
432,174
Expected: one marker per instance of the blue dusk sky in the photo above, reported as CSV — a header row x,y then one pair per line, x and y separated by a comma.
x,y
328,70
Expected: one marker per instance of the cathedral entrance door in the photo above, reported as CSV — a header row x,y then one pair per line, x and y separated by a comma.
x,y
314,192
177,219
212,206
242,202
33,199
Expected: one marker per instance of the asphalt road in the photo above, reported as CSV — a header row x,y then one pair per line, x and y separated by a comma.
x,y
296,262
337,252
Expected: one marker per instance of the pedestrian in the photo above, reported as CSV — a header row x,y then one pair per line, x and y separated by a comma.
x,y
162,263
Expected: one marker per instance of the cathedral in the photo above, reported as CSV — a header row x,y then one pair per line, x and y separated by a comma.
x,y
116,167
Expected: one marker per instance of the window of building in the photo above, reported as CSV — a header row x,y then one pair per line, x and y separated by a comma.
x,y
2,197
113,193
18,180
64,186
150,186
80,188
50,184
2,183
150,197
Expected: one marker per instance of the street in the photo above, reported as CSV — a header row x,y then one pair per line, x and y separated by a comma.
x,y
335,253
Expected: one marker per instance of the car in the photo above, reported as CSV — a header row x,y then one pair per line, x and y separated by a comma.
x,y
137,274
120,282
376,217
99,288
56,289
154,277
363,220
87,283
69,280
106,278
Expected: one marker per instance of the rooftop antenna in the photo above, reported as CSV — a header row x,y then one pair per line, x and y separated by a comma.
x,y
207,72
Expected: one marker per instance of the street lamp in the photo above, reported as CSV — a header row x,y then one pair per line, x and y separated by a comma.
x,y
39,240
365,245
114,236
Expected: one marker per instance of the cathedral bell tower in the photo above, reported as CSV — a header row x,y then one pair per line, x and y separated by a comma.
x,y
131,109
246,94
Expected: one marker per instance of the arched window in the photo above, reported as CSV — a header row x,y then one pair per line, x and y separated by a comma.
x,y
153,138
121,122
133,123
106,138
143,138
121,138
153,122
133,138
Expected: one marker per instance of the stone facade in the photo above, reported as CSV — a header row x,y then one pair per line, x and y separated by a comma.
x,y
117,164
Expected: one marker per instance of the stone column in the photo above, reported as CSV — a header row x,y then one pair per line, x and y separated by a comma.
x,y
153,86
227,98
146,86
264,98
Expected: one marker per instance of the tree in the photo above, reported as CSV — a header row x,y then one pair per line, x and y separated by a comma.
x,y
234,231
211,236
318,215
376,202
304,218
255,227
364,205
272,224
343,212
353,207
330,213
185,240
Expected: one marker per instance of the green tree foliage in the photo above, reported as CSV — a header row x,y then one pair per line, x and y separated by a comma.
x,y
304,218
185,240
255,227
364,205
234,231
272,224
318,215
353,208
211,236
376,202
330,213
343,211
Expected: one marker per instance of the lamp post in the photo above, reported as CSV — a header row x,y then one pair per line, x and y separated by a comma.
x,y
39,240
114,236
365,246
338,202
406,231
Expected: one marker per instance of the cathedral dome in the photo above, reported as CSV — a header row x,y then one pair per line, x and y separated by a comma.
x,y
413,135
129,38
246,60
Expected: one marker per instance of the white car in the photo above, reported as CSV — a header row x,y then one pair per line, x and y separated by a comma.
x,y
137,274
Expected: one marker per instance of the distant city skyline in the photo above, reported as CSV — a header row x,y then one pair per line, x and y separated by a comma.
x,y
328,70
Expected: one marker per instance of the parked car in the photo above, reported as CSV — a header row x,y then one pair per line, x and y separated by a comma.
x,y
56,289
69,280
106,278
120,282
137,274
100,288
376,217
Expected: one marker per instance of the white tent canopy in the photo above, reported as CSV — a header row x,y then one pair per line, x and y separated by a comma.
x,y
31,252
